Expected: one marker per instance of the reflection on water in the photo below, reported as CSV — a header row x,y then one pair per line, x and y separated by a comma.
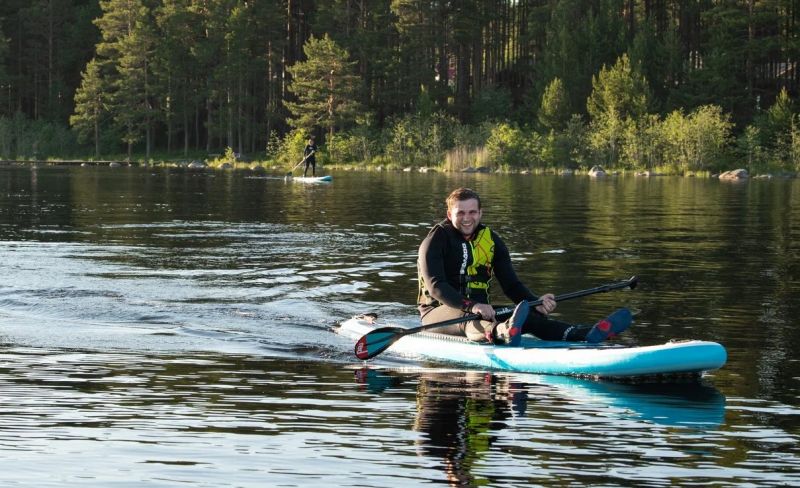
x,y
458,414
167,327
484,428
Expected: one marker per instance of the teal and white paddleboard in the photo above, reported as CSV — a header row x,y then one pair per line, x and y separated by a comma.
x,y
602,360
313,179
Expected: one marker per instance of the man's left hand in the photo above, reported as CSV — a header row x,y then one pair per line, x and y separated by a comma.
x,y
548,304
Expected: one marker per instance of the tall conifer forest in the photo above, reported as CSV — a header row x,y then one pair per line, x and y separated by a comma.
x,y
506,83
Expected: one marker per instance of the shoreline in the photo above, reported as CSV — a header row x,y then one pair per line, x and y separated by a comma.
x,y
198,165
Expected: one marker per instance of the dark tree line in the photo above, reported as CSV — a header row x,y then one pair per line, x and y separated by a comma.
x,y
200,75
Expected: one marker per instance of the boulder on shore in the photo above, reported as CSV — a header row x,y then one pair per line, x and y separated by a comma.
x,y
597,172
735,174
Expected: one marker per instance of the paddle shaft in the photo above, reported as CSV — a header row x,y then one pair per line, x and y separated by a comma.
x,y
386,336
301,162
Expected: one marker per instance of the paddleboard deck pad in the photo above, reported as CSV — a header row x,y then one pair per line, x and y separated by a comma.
x,y
603,360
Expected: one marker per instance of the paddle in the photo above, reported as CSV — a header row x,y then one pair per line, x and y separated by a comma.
x,y
375,342
301,162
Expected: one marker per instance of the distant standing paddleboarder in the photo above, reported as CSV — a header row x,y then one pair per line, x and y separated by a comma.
x,y
310,157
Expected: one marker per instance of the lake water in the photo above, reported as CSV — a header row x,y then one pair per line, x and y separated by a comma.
x,y
168,328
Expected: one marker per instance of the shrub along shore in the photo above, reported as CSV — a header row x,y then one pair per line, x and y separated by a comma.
x,y
697,143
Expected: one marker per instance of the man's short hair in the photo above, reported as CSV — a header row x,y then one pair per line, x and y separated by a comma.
x,y
461,194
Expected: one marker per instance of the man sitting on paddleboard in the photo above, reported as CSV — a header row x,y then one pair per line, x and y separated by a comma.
x,y
456,263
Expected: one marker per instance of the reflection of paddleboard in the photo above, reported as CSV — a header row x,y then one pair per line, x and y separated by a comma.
x,y
556,357
684,404
688,404
313,179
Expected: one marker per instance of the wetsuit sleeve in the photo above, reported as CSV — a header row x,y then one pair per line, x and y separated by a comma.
x,y
430,261
512,287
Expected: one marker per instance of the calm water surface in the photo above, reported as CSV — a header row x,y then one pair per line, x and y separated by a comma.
x,y
168,328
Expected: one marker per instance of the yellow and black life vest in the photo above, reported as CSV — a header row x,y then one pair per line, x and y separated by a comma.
x,y
479,273
468,267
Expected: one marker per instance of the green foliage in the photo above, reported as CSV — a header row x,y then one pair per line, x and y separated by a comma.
x,y
697,142
472,136
352,147
90,106
509,146
657,54
750,150
619,92
643,144
777,152
117,80
618,98
22,138
420,141
554,111
273,148
290,150
416,23
794,150
425,106
176,67
607,135
368,33
775,125
726,50
326,86
491,104
579,38
575,142
227,158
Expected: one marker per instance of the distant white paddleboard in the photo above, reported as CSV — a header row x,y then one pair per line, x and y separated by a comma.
x,y
313,179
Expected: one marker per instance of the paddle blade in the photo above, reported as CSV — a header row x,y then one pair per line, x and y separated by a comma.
x,y
375,342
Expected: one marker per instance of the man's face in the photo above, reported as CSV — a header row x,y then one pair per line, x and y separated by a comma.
x,y
465,216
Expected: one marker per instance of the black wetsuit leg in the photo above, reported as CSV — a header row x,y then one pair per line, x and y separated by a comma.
x,y
549,329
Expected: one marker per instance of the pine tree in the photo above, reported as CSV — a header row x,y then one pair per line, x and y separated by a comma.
x,y
554,112
123,70
90,106
326,87
619,98
133,100
619,91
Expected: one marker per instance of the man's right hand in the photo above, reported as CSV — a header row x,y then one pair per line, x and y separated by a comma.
x,y
485,310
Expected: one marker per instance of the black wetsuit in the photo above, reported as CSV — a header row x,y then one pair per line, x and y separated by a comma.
x,y
440,263
310,155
